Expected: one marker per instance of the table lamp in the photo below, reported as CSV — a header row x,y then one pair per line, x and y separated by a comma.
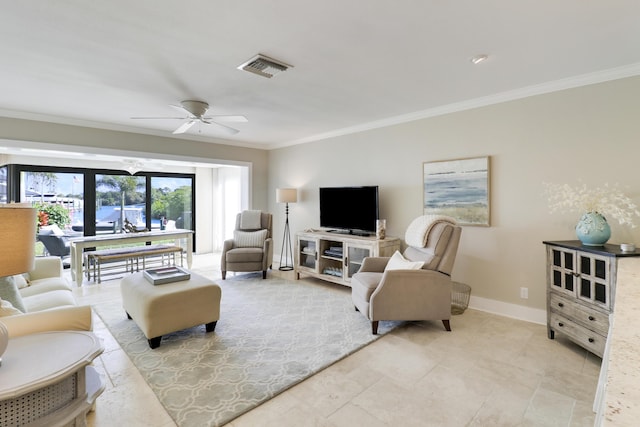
x,y
286,195
17,251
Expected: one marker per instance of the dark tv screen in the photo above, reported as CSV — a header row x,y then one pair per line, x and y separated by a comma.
x,y
350,209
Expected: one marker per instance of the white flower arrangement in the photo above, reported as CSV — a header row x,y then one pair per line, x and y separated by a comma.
x,y
608,201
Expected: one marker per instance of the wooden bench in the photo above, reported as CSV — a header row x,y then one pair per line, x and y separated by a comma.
x,y
131,257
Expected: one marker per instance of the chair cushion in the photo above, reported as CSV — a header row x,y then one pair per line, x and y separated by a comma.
x,y
9,292
398,262
51,229
425,255
244,255
45,285
249,239
250,220
21,281
48,300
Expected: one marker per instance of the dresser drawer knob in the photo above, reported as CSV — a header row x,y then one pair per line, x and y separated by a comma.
x,y
591,340
592,318
561,324
560,304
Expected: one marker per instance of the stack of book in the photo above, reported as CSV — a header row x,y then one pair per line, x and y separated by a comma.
x,y
333,271
334,251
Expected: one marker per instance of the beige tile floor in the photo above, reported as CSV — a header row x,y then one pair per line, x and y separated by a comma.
x,y
489,371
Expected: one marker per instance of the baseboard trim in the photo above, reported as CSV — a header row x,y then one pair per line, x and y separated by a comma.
x,y
515,311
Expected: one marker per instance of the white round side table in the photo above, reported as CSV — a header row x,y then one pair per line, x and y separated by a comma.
x,y
46,380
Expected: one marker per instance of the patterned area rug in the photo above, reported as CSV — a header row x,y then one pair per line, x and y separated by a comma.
x,y
271,335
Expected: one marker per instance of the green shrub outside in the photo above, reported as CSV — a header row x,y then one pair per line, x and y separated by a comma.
x,y
57,214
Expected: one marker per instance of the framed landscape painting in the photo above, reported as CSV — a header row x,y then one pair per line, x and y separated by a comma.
x,y
459,189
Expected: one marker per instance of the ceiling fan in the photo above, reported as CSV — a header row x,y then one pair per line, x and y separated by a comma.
x,y
196,111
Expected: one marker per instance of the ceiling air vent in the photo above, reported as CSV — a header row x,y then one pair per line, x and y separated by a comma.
x,y
264,66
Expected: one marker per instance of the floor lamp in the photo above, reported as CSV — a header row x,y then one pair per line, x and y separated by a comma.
x,y
286,195
17,252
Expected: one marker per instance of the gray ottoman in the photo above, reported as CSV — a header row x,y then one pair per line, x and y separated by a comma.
x,y
170,307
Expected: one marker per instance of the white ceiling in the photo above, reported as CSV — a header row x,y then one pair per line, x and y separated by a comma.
x,y
357,63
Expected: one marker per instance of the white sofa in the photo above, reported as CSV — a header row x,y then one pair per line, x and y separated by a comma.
x,y
49,302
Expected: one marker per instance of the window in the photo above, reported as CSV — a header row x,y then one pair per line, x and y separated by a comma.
x,y
120,203
171,202
57,195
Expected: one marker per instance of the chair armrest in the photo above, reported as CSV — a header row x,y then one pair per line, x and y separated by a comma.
x,y
77,318
227,245
267,261
374,264
45,267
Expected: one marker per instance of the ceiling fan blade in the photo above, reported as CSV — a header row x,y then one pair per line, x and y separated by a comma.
x,y
235,119
184,127
159,118
226,129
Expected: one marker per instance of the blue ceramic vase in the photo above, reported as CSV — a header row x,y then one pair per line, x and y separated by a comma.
x,y
593,229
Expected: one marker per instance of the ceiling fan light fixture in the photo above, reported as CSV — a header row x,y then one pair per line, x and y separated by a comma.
x,y
197,108
479,58
132,166
196,113
264,66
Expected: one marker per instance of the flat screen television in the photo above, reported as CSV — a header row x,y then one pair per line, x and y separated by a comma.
x,y
351,210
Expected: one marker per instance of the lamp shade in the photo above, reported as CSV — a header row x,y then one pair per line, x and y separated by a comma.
x,y
18,234
286,195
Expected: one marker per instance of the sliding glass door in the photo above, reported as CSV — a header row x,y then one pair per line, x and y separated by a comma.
x,y
93,201
58,196
120,203
171,202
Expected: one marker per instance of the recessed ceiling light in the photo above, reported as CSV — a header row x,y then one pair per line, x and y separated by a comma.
x,y
479,58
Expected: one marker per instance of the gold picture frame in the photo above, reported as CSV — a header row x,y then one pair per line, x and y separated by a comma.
x,y
458,188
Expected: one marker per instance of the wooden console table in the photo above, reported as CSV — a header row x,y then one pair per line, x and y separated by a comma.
x,y
336,257
45,379
78,245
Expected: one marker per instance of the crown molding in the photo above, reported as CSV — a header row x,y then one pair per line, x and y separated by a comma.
x,y
525,92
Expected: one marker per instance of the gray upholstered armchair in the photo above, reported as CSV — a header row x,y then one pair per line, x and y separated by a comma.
x,y
418,285
251,248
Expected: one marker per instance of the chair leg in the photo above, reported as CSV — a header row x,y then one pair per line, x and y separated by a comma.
x,y
224,274
374,327
446,324
154,342
211,326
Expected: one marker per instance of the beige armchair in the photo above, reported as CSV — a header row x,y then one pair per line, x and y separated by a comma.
x,y
382,291
251,249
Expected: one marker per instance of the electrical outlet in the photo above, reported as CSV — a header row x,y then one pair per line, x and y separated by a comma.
x,y
524,293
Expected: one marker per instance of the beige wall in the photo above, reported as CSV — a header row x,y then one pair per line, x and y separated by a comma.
x,y
589,134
